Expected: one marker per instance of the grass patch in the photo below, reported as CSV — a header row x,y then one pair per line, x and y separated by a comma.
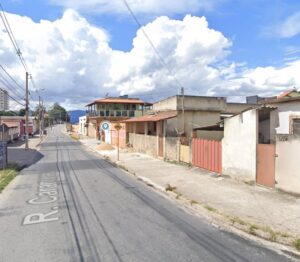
x,y
297,244
284,235
252,229
7,175
194,202
178,195
272,234
237,220
211,209
170,188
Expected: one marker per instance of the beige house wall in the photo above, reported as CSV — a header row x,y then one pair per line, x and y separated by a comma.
x,y
172,148
236,108
204,103
287,174
91,130
144,143
192,120
210,135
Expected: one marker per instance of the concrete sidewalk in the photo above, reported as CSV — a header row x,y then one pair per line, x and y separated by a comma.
x,y
257,210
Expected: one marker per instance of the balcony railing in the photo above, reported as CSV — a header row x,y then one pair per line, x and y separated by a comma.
x,y
116,113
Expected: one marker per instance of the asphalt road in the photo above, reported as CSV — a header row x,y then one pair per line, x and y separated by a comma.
x,y
73,206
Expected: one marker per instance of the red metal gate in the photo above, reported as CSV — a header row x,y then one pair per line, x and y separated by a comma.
x,y
207,154
265,173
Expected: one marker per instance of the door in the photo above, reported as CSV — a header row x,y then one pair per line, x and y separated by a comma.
x,y
265,172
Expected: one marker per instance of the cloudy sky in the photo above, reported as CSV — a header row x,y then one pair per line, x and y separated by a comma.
x,y
78,51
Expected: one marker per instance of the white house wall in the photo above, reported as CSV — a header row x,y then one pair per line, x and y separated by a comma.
x,y
285,110
239,146
287,173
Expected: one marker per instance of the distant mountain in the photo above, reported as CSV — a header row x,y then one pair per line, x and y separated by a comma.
x,y
75,114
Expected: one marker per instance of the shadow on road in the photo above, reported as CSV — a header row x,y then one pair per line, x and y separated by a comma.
x,y
23,157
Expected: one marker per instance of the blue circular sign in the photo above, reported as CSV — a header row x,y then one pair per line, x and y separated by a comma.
x,y
105,126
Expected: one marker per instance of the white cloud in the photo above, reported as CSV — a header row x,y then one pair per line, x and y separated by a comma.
x,y
189,48
263,81
67,57
289,28
73,61
138,6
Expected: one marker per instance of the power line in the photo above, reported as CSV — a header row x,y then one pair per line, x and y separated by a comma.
x,y
151,43
14,99
8,85
12,37
5,71
14,43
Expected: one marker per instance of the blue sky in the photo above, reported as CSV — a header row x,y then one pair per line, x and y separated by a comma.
x,y
246,23
259,45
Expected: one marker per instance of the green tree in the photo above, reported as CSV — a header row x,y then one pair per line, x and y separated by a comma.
x,y
22,112
57,112
7,113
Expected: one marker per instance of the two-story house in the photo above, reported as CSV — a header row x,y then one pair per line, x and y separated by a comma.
x,y
103,114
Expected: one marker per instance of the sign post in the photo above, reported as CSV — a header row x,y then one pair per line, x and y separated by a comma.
x,y
118,127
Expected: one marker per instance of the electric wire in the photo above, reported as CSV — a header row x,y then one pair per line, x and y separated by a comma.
x,y
15,45
5,71
151,43
14,99
12,37
10,87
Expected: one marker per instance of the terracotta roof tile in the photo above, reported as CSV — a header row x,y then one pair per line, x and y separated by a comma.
x,y
11,124
119,100
158,116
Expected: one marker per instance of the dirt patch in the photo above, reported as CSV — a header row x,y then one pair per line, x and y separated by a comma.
x,y
105,146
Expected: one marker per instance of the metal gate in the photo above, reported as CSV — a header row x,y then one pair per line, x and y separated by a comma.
x,y
265,171
207,154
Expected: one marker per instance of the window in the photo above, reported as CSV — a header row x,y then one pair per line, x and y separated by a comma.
x,y
296,126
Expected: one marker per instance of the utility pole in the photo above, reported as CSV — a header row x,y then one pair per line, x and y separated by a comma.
x,y
26,112
40,118
182,106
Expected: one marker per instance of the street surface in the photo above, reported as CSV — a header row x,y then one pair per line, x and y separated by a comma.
x,y
73,206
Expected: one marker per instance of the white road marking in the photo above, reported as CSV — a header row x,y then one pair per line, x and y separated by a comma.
x,y
40,218
47,193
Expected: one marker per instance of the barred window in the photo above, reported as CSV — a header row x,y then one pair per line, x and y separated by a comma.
x,y
296,126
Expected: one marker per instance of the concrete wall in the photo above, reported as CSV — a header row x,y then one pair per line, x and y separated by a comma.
x,y
144,144
191,103
75,128
236,108
210,135
118,137
172,148
91,130
192,119
169,103
239,145
287,174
